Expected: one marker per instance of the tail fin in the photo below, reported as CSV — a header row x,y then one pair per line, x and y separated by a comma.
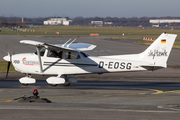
x,y
158,52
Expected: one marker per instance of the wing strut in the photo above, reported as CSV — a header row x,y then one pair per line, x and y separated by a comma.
x,y
39,57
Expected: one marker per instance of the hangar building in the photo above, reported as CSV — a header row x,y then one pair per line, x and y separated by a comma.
x,y
158,22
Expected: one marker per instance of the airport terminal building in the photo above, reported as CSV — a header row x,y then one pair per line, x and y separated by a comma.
x,y
57,21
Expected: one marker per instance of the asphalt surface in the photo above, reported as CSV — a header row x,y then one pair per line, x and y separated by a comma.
x,y
132,95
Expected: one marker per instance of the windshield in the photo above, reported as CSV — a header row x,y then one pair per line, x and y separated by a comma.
x,y
84,54
42,51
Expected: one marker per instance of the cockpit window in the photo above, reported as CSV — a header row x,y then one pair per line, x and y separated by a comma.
x,y
55,54
59,53
72,55
42,51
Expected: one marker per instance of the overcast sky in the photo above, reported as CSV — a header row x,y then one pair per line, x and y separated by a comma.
x,y
90,8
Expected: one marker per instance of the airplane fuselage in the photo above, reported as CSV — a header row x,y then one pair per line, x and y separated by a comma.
x,y
28,63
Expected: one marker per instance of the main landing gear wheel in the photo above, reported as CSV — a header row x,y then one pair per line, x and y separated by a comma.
x,y
66,83
25,84
53,85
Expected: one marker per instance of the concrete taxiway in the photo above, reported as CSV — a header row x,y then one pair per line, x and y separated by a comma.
x,y
132,95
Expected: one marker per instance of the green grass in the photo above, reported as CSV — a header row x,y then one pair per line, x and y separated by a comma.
x,y
86,30
6,31
116,32
3,68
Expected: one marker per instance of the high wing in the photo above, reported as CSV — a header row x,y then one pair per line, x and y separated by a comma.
x,y
79,46
70,46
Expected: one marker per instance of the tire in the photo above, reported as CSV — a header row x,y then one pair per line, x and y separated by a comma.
x,y
25,84
66,84
53,85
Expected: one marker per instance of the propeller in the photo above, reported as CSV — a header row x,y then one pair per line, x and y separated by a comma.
x,y
9,64
9,59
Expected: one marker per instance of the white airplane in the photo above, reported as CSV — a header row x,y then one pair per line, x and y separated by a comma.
x,y
60,61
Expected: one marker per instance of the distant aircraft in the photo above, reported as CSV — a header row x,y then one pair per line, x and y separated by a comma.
x,y
61,60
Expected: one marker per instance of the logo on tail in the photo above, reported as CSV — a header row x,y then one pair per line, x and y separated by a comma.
x,y
157,53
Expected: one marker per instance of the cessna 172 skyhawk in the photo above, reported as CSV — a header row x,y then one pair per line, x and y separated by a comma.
x,y
66,59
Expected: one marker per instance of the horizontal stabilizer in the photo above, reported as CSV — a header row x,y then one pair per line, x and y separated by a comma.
x,y
152,67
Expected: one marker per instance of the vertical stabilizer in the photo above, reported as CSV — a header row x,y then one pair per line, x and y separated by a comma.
x,y
158,52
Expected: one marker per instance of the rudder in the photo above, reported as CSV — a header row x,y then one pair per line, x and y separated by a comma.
x,y
158,52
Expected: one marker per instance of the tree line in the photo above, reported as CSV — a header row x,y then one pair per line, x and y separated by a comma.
x,y
134,21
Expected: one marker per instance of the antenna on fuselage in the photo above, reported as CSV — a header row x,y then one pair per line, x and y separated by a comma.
x,y
71,43
66,42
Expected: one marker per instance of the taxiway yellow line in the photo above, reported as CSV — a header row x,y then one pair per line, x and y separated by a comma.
x,y
161,92
7,101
